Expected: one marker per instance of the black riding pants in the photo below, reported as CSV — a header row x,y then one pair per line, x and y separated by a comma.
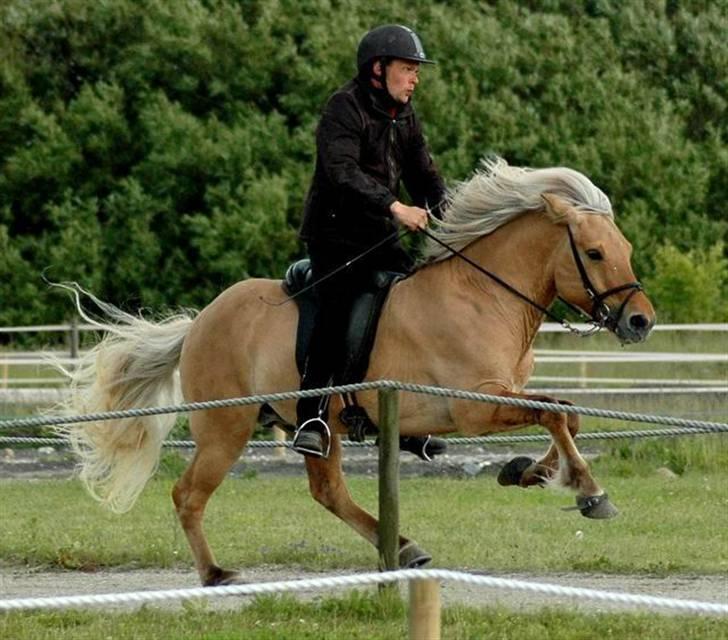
x,y
336,296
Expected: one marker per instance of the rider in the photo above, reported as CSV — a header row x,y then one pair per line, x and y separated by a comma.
x,y
368,138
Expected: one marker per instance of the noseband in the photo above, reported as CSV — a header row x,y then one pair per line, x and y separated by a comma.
x,y
601,314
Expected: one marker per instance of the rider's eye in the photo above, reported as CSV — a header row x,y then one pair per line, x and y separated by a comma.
x,y
594,254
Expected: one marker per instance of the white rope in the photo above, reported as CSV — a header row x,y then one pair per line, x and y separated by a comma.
x,y
139,597
451,440
29,396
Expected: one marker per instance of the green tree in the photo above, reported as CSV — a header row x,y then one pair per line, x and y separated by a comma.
x,y
690,286
158,151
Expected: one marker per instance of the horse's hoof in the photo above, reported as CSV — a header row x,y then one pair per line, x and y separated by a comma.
x,y
217,577
596,507
412,557
512,471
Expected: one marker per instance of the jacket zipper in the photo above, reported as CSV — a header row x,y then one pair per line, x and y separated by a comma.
x,y
390,157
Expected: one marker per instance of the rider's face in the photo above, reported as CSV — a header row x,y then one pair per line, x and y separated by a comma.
x,y
402,78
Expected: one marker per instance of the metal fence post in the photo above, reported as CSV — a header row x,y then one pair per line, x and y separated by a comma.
x,y
388,534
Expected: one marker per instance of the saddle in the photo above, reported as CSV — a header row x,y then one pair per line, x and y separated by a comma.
x,y
360,335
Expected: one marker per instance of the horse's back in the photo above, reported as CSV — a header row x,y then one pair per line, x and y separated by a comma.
x,y
241,343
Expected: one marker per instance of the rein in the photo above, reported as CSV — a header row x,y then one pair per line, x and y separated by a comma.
x,y
601,314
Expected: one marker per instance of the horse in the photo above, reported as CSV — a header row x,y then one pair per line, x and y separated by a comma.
x,y
446,324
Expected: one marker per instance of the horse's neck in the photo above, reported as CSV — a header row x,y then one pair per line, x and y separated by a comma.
x,y
448,322
521,253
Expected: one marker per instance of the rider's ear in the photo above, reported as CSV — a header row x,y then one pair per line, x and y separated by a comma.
x,y
557,209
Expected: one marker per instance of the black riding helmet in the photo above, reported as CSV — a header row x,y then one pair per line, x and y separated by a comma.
x,y
390,41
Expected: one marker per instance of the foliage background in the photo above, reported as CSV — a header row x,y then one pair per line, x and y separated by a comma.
x,y
157,151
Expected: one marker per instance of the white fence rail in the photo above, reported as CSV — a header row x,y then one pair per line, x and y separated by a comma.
x,y
547,327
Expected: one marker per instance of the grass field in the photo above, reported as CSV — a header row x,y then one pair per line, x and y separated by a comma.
x,y
675,524
670,524
354,617
667,526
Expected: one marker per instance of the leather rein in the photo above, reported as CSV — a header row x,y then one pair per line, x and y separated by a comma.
x,y
601,314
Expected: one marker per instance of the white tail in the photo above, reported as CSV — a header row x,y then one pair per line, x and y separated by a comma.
x,y
134,366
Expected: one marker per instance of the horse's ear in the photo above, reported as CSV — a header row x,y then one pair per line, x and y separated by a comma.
x,y
557,209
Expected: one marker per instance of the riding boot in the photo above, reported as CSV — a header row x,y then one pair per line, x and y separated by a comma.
x,y
425,447
309,439
313,437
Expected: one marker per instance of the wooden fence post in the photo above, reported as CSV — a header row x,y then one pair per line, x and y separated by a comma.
x,y
424,609
279,436
388,534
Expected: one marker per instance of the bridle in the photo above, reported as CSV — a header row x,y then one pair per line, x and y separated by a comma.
x,y
601,314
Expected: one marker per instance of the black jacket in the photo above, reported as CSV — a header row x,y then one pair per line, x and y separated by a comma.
x,y
363,152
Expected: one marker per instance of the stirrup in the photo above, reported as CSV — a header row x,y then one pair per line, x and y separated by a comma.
x,y
425,448
319,426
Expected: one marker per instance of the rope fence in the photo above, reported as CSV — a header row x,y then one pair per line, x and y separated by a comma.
x,y
456,441
366,579
442,392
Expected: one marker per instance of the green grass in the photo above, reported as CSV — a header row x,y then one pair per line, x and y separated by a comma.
x,y
355,616
677,525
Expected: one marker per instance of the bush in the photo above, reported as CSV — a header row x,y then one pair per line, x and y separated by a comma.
x,y
690,286
159,151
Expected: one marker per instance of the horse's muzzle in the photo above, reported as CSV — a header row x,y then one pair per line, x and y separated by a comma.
x,y
633,327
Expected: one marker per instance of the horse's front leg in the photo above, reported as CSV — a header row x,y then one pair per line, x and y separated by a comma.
x,y
526,472
326,481
573,471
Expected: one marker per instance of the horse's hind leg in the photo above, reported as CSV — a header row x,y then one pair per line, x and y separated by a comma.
x,y
221,436
328,488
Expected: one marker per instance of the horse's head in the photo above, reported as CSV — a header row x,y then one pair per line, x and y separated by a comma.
x,y
593,271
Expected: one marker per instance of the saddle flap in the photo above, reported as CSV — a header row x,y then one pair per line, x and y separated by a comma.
x,y
363,319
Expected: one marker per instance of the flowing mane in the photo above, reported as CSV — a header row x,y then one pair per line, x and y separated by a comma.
x,y
498,193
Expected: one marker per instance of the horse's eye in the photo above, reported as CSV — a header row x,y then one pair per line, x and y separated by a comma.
x,y
594,254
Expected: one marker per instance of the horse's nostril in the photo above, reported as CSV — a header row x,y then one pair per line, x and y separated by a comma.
x,y
638,321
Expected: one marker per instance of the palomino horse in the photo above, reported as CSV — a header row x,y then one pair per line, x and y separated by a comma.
x,y
446,324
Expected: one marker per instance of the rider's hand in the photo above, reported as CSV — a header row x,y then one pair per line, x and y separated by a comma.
x,y
414,218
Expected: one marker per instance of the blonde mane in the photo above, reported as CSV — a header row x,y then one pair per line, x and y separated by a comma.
x,y
498,193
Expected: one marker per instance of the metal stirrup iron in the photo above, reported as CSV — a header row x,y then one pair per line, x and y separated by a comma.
x,y
320,427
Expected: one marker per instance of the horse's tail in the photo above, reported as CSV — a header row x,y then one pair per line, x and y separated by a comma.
x,y
134,366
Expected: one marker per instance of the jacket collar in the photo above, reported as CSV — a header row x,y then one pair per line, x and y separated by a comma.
x,y
381,102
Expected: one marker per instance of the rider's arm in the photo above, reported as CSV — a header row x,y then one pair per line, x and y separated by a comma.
x,y
420,174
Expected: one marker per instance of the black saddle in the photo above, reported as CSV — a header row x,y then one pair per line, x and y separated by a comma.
x,y
363,321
